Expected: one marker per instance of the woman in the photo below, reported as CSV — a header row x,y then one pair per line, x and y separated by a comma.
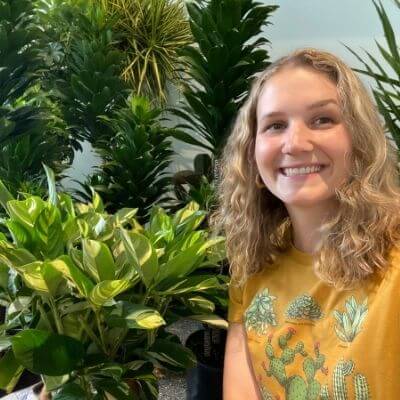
x,y
309,203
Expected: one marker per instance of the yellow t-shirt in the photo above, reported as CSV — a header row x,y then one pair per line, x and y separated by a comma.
x,y
309,341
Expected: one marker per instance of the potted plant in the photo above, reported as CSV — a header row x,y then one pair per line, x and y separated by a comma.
x,y
88,295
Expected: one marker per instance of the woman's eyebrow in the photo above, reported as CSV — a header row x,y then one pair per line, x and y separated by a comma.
x,y
317,104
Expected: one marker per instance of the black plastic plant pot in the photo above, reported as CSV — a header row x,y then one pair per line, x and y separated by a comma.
x,y
204,381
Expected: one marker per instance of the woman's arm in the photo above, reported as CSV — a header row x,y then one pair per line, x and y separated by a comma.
x,y
239,382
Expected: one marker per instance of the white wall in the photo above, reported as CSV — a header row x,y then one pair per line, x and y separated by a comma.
x,y
324,24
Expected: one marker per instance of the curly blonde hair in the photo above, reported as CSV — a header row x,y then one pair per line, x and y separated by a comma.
x,y
355,242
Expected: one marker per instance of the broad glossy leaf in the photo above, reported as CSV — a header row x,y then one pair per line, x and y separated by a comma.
x,y
49,231
143,254
187,285
123,216
4,275
174,354
26,211
51,183
117,389
41,276
13,257
98,260
107,290
199,304
134,316
71,272
211,319
181,265
5,343
5,195
54,382
10,371
46,353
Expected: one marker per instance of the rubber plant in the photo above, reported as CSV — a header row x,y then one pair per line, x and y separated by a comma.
x,y
89,295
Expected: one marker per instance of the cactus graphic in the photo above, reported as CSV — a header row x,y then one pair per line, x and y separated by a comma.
x,y
324,395
265,394
304,307
341,370
361,387
349,323
296,387
260,314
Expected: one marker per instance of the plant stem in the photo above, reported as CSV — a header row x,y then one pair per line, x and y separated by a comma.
x,y
114,350
100,329
43,314
91,334
57,319
86,387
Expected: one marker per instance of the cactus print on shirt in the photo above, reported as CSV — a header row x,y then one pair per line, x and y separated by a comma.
x,y
309,341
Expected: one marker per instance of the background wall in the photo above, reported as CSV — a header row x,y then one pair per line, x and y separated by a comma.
x,y
327,24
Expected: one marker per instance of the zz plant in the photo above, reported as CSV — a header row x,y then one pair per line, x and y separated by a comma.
x,y
89,295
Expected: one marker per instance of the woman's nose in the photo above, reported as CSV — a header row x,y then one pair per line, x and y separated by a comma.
x,y
297,138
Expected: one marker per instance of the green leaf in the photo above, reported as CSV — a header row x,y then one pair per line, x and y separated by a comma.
x,y
14,257
143,255
190,284
98,260
180,265
173,354
51,182
134,316
118,390
10,371
48,230
71,272
70,391
54,382
41,277
5,342
107,290
211,319
5,196
46,353
26,211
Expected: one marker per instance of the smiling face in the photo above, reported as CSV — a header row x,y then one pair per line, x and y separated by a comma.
x,y
299,123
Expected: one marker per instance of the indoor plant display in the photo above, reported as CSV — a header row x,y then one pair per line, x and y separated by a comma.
x,y
88,294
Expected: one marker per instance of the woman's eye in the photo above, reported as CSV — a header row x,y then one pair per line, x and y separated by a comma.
x,y
323,120
275,126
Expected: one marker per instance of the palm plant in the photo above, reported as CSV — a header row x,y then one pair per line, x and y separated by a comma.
x,y
151,33
387,92
133,172
221,63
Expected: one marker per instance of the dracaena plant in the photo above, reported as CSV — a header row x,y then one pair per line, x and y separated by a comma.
x,y
85,66
151,32
227,53
134,168
89,295
29,130
387,90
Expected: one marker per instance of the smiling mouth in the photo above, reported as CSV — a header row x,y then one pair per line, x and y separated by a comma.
x,y
323,167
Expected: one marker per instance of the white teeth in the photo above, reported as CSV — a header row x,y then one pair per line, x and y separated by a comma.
x,y
301,171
